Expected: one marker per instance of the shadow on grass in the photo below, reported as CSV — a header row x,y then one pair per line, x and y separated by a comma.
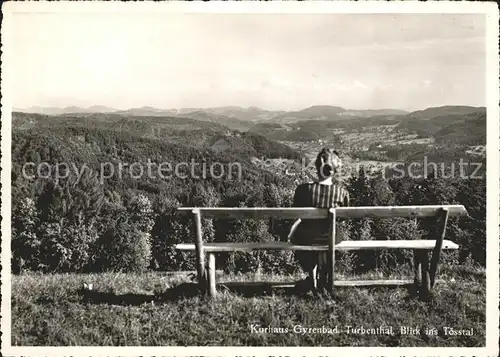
x,y
191,290
111,298
181,291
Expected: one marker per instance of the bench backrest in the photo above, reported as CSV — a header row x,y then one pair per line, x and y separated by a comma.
x,y
441,212
321,213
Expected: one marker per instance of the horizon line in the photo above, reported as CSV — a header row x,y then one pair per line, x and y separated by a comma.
x,y
194,108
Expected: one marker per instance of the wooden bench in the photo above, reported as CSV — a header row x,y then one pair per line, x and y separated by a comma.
x,y
425,267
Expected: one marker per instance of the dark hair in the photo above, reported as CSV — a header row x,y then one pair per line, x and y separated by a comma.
x,y
327,163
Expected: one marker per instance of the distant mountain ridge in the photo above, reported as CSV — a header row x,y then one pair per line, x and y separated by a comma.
x,y
250,113
147,111
243,119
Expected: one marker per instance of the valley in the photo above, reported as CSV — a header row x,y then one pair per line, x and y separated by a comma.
x,y
285,143
380,142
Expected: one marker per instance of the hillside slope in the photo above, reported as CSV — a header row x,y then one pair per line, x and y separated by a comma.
x,y
186,132
444,110
430,125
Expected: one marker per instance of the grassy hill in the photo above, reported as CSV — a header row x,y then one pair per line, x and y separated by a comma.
x,y
49,311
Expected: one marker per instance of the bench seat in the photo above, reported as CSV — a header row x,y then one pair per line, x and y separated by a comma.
x,y
342,283
426,244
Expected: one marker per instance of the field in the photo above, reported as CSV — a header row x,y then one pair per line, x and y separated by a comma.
x,y
49,310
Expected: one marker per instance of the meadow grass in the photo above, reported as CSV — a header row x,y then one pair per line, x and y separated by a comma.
x,y
49,310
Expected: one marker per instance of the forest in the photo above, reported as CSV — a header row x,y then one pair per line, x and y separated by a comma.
x,y
129,224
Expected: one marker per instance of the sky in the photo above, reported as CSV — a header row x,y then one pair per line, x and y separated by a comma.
x,y
272,61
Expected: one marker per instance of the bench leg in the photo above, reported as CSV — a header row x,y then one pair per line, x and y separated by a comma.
x,y
322,270
331,250
211,275
313,274
442,223
426,281
200,254
417,258
421,269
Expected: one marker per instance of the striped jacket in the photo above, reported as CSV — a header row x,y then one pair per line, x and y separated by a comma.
x,y
317,195
314,194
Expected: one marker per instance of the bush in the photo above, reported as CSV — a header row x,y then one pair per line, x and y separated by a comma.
x,y
169,229
279,262
124,248
395,229
344,260
73,248
241,262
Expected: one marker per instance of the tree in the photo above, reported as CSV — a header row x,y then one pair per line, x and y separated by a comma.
x,y
25,242
125,248
141,213
169,229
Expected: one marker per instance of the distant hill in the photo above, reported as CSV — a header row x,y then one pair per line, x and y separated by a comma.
x,y
425,123
309,124
101,109
320,110
147,111
428,122
247,114
138,125
433,112
316,112
333,113
288,132
235,117
224,114
232,123
186,132
470,131
372,112
310,130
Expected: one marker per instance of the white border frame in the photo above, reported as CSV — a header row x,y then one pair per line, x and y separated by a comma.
x,y
492,292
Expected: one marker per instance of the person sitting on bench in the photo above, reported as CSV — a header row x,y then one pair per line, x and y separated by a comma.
x,y
326,192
